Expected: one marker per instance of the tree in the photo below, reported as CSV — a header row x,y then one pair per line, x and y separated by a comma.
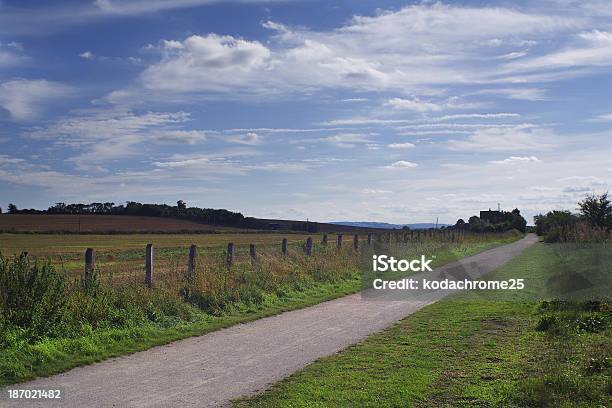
x,y
597,210
0,210
475,224
180,204
517,221
12,209
554,220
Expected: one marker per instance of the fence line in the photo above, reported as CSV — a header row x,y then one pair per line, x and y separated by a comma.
x,y
398,237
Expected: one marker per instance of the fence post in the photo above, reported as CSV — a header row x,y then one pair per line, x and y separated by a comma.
x,y
308,247
89,261
284,246
191,265
149,266
252,251
369,239
230,254
324,240
339,241
356,242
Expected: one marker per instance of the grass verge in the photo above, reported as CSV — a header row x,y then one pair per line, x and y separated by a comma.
x,y
469,351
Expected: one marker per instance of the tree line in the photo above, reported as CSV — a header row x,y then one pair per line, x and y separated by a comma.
x,y
203,215
593,221
505,221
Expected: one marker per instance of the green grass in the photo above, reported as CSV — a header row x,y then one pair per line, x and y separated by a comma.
x,y
467,350
142,319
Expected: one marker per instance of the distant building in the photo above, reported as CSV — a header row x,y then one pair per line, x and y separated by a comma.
x,y
491,216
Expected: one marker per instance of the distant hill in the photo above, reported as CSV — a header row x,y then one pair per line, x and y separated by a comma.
x,y
386,225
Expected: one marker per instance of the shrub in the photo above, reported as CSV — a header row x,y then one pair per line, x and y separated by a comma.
x,y
32,295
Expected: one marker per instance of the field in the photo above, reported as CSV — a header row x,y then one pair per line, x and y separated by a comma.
x,y
122,257
124,224
100,224
54,317
470,350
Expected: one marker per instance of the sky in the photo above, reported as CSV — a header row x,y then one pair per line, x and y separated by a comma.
x,y
394,111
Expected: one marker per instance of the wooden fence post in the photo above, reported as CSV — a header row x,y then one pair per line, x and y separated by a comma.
x,y
308,247
284,246
324,240
339,241
191,265
252,251
149,266
369,239
230,255
356,242
89,261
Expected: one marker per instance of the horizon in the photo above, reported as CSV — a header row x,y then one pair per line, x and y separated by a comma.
x,y
406,111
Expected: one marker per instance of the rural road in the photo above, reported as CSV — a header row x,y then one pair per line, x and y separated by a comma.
x,y
212,369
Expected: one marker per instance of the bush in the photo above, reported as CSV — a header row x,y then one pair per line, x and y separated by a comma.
x,y
32,296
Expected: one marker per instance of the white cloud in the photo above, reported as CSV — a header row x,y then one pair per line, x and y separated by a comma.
x,y
346,139
374,191
179,136
228,165
23,98
359,121
10,54
369,53
413,105
417,105
402,164
87,55
606,117
593,48
130,7
406,145
105,135
4,160
210,63
251,138
513,138
354,100
526,94
516,159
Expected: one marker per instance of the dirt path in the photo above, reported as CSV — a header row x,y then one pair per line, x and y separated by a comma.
x,y
212,369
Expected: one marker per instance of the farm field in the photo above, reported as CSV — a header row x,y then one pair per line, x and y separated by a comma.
x,y
63,318
123,255
100,224
469,350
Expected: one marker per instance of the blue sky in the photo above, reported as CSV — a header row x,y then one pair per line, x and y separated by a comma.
x,y
395,111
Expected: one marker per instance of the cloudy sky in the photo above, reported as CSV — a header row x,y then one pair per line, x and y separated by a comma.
x,y
396,111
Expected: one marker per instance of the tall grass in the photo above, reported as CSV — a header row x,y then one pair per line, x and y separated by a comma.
x,y
41,301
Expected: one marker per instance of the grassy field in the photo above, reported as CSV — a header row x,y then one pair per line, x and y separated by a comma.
x,y
121,257
469,350
100,223
50,321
